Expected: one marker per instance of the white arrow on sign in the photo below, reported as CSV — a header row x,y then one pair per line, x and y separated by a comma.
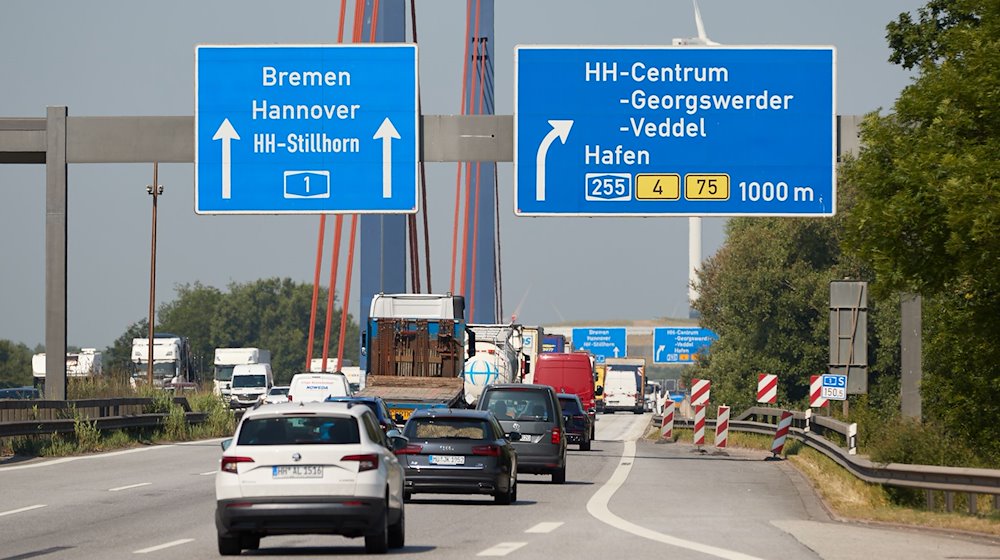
x,y
227,134
560,129
386,132
616,351
661,348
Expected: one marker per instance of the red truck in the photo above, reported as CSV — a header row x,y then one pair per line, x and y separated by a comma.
x,y
572,373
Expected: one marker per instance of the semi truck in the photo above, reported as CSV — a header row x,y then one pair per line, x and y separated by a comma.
x,y
173,363
624,384
416,350
228,358
88,362
531,347
554,343
494,359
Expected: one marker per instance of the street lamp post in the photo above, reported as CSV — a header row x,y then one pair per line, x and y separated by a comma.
x,y
155,190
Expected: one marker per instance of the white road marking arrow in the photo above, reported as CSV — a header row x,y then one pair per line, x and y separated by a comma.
x,y
227,134
386,132
560,129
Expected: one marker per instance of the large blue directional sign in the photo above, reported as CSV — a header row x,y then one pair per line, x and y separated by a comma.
x,y
680,345
283,129
673,131
602,342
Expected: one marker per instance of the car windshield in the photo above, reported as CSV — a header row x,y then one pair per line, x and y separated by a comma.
x,y
532,406
570,406
289,430
245,381
447,428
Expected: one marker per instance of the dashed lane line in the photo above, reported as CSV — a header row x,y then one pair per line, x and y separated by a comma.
x,y
545,527
502,549
21,510
129,487
162,546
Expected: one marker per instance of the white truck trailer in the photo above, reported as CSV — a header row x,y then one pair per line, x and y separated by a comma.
x,y
228,358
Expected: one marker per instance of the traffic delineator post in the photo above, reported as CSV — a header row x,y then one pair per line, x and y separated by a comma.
x,y
815,392
699,425
667,424
767,388
700,391
781,433
722,427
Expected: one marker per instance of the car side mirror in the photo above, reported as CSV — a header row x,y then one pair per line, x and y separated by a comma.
x,y
393,432
226,443
398,442
514,436
599,390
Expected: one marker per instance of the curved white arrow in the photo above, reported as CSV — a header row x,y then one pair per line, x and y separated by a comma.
x,y
386,132
661,348
227,134
560,129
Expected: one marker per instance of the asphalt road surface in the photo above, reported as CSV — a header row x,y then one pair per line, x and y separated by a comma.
x,y
624,498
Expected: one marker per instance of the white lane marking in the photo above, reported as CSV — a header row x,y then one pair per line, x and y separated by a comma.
x,y
129,487
207,473
502,549
545,527
21,510
598,507
162,546
102,455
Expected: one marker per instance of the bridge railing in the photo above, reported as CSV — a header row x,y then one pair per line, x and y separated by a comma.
x,y
812,430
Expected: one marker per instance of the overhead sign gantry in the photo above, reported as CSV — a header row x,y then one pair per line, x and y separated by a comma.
x,y
674,131
284,129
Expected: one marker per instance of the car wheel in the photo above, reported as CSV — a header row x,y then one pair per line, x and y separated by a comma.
x,y
559,477
507,497
513,495
229,546
250,542
407,496
378,543
585,445
397,531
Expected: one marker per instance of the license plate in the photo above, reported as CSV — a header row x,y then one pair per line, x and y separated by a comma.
x,y
525,437
447,460
297,471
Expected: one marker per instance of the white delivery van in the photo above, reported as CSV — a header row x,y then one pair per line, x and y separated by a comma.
x,y
249,384
313,387
623,389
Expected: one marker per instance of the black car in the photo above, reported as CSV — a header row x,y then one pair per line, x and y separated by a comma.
x,y
376,404
579,424
458,452
532,412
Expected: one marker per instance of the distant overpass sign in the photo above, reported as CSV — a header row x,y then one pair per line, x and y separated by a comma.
x,y
602,342
669,131
285,129
680,345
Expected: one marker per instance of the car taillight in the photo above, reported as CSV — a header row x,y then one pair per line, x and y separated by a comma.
x,y
229,463
366,462
556,435
487,450
411,449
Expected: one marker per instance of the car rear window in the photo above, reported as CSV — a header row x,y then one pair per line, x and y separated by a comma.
x,y
530,406
293,430
570,406
448,428
279,391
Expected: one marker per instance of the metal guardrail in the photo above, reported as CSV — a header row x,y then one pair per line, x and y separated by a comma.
x,y
810,430
32,417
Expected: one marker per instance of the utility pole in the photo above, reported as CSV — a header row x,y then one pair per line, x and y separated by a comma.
x,y
155,190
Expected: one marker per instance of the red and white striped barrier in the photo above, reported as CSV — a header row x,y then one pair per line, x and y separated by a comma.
x,y
700,389
782,432
767,388
699,425
815,390
667,426
722,427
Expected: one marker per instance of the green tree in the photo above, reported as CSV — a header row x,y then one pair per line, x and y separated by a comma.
x,y
15,364
190,315
928,211
118,357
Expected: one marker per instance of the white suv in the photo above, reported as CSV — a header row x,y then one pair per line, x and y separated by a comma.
x,y
310,468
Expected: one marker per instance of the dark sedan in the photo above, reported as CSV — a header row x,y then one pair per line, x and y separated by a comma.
x,y
458,452
579,424
376,404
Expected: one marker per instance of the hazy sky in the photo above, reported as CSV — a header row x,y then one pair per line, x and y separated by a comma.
x,y
125,57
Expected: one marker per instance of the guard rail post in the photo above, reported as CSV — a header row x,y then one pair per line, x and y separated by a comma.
x,y
808,425
852,438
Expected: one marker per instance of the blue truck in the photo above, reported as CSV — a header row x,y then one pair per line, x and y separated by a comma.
x,y
416,350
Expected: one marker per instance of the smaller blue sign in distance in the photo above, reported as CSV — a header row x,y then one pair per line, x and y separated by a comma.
x,y
285,129
602,342
673,131
680,345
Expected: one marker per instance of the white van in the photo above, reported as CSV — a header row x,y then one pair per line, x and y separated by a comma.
x,y
313,387
623,390
249,384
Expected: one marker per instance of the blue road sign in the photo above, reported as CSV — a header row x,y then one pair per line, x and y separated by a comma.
x,y
680,345
834,387
668,131
285,129
602,342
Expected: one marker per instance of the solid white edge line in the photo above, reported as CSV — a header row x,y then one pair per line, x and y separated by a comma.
x,y
101,455
129,487
21,510
206,473
545,527
598,507
502,549
162,546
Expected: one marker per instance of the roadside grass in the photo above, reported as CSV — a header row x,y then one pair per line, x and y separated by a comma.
x,y
850,498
